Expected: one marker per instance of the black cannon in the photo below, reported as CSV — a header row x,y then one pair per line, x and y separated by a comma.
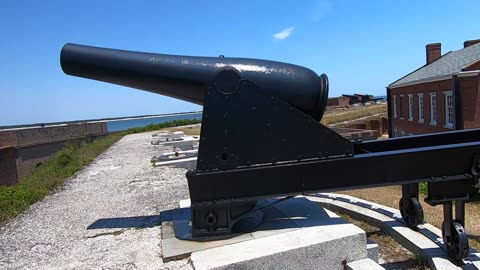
x,y
261,137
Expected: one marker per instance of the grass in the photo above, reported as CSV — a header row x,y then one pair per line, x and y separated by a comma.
x,y
153,127
60,167
392,253
337,117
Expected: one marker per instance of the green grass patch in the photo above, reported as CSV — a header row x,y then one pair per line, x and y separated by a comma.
x,y
423,188
337,117
153,127
60,167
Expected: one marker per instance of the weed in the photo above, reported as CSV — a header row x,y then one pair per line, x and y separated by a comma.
x,y
423,188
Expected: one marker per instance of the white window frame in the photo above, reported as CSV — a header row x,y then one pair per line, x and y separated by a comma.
x,y
395,106
448,123
410,107
421,109
400,107
432,114
402,132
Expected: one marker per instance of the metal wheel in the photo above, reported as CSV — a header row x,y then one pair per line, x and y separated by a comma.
x,y
412,211
457,243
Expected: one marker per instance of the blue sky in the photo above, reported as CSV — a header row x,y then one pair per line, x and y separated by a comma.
x,y
361,45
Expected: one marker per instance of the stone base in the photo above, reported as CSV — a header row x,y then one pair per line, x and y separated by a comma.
x,y
364,264
425,241
295,234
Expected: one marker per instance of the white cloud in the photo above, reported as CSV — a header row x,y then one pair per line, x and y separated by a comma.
x,y
284,33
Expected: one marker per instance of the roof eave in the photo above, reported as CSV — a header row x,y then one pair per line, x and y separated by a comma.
x,y
436,78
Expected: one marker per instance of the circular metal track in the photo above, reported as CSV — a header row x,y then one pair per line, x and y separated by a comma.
x,y
412,211
457,243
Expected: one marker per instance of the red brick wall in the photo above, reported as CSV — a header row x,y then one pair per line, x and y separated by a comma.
x,y
402,122
344,101
338,101
8,166
470,92
8,138
30,157
470,89
59,133
434,51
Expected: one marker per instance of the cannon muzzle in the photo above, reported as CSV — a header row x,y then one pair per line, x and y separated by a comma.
x,y
187,77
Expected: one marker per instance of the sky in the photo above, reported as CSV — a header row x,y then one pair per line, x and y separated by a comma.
x,y
361,45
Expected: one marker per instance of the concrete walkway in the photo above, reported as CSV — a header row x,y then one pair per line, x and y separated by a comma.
x,y
106,217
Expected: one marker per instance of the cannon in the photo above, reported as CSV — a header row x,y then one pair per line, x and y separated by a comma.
x,y
261,137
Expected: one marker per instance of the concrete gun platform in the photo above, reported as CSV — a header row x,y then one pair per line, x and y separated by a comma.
x,y
296,234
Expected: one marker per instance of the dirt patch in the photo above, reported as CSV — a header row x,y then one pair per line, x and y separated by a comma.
x,y
352,114
188,130
392,255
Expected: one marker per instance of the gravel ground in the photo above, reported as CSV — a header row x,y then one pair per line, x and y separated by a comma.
x,y
106,217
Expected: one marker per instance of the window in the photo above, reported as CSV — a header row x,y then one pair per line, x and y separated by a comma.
x,y
403,133
394,106
410,107
433,108
420,108
448,109
400,106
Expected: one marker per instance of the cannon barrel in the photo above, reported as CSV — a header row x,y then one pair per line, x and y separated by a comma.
x,y
186,77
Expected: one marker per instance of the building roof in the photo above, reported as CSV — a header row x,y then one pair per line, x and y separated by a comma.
x,y
450,63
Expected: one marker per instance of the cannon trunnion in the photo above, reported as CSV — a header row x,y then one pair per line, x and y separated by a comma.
x,y
261,137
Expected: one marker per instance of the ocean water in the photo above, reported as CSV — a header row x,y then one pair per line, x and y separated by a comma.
x,y
119,125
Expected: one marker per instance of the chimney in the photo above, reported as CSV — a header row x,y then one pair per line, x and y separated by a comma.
x,y
470,42
434,51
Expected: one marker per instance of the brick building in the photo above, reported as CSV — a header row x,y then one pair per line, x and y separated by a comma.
x,y
442,95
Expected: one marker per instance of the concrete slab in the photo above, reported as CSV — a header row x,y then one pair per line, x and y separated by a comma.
x,y
174,162
372,251
474,260
184,143
319,247
365,264
166,136
162,137
175,249
185,203
296,233
166,133
175,155
427,240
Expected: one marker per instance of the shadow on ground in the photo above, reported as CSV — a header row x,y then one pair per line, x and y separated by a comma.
x,y
126,222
